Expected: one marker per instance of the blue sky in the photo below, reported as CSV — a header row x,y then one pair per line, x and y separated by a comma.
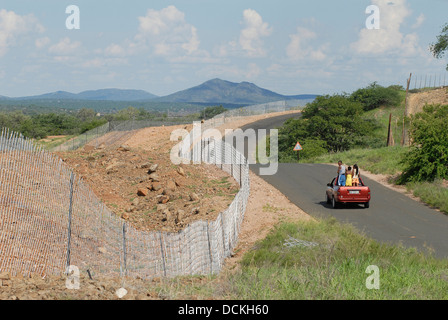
x,y
291,47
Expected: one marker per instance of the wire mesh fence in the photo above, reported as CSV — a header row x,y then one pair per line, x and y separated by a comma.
x,y
428,81
50,219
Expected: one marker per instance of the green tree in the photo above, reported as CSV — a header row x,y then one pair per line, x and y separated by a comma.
x,y
374,96
427,158
210,112
331,123
439,48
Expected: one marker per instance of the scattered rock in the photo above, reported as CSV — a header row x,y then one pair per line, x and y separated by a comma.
x,y
194,197
146,165
181,171
171,185
153,168
195,210
125,216
156,186
154,177
102,250
142,192
135,202
180,215
124,148
163,199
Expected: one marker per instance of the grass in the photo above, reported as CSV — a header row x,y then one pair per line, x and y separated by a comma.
x,y
434,193
49,144
336,267
384,160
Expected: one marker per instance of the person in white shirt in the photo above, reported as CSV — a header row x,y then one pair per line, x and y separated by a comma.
x,y
341,174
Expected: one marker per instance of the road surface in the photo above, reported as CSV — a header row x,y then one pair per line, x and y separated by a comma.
x,y
392,216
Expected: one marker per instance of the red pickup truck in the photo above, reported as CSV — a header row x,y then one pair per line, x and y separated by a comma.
x,y
336,194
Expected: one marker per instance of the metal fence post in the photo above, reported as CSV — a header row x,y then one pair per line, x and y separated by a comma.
x,y
69,236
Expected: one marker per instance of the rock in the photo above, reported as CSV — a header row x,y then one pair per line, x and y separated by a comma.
x,y
161,207
146,165
156,186
154,177
195,210
89,148
102,250
124,148
153,168
181,171
194,197
163,199
142,192
180,215
90,158
171,185
135,202
149,186
101,146
5,276
125,216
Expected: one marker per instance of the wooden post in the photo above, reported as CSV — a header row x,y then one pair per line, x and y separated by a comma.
x,y
390,136
405,114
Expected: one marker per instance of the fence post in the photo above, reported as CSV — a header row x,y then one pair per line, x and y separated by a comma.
x,y
163,254
69,236
209,247
124,250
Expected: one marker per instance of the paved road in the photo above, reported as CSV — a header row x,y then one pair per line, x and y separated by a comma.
x,y
392,217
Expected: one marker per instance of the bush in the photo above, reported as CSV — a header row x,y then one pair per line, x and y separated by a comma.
x,y
331,123
375,96
427,159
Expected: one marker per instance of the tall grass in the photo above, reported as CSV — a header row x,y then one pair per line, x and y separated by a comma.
x,y
336,267
434,193
379,161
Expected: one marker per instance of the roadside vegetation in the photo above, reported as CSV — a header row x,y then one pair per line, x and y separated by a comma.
x,y
41,125
326,135
319,260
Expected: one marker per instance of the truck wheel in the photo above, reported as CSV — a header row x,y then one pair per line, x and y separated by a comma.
x,y
334,204
367,205
327,198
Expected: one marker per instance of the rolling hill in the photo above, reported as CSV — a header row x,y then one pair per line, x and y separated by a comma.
x,y
218,91
94,95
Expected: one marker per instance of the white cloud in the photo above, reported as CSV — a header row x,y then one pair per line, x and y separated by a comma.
x,y
251,36
42,42
388,38
13,27
167,32
420,19
65,47
298,48
115,50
